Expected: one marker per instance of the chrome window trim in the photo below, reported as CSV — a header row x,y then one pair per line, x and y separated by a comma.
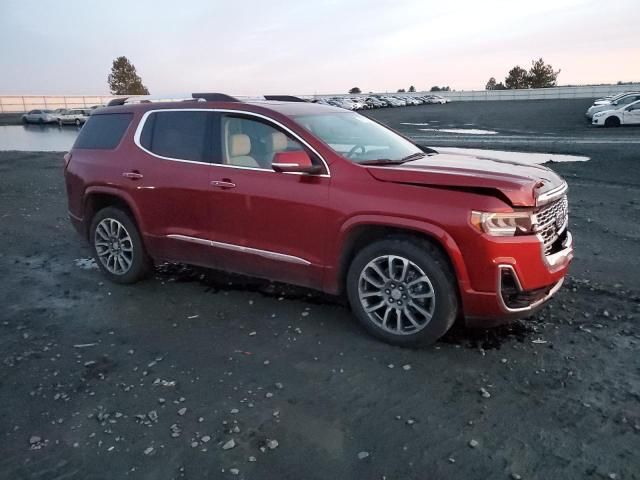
x,y
143,121
239,248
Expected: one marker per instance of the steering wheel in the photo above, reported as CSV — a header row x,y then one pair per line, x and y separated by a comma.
x,y
355,148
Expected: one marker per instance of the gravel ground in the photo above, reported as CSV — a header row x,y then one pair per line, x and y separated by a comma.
x,y
195,374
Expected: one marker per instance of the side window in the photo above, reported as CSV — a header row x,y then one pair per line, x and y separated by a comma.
x,y
178,134
103,132
253,143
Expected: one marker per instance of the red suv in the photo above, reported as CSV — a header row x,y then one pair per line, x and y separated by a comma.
x,y
322,197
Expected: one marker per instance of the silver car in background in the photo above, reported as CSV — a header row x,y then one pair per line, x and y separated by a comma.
x,y
74,116
39,116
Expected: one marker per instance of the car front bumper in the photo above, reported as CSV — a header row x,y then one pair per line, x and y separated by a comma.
x,y
517,280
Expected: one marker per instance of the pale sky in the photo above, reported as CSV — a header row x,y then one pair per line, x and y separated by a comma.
x,y
254,47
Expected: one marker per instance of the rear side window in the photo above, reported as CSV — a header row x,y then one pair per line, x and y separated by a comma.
x,y
103,132
180,135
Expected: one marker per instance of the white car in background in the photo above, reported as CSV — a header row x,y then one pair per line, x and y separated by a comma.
x,y
39,116
625,115
620,101
609,100
438,99
74,116
392,101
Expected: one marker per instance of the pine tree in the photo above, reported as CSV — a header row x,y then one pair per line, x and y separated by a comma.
x,y
124,80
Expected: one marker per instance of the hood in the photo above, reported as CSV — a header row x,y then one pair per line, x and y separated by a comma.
x,y
520,183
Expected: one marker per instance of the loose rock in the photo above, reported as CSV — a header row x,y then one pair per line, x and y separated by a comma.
x,y
229,445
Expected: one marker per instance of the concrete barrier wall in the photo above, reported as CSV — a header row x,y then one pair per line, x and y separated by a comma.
x,y
18,104
524,94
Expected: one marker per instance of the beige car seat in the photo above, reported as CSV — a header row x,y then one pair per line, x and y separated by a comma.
x,y
239,148
277,143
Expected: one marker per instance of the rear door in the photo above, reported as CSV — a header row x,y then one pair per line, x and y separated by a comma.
x,y
171,173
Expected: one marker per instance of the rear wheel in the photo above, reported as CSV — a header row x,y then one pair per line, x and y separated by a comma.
x,y
77,122
612,122
117,246
403,291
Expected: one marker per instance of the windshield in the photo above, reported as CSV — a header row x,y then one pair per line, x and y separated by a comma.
x,y
357,138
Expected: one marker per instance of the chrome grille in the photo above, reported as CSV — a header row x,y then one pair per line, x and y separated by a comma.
x,y
551,221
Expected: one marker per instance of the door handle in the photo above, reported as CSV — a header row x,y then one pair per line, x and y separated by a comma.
x,y
132,175
222,184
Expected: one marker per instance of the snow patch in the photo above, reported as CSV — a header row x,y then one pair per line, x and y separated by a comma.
x,y
467,131
409,123
86,263
521,157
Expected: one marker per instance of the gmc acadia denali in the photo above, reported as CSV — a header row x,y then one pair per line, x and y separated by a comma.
x,y
321,197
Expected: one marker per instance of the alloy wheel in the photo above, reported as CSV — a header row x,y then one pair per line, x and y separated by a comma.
x,y
114,246
396,294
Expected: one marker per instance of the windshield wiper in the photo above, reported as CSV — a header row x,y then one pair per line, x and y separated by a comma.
x,y
414,156
381,161
388,161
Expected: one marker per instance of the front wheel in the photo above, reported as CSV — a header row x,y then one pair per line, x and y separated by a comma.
x,y
117,246
612,122
403,291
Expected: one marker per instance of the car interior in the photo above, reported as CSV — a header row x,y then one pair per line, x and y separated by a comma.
x,y
250,143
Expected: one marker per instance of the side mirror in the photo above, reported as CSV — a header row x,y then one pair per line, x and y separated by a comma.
x,y
294,162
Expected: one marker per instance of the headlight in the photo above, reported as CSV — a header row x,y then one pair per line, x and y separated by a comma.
x,y
504,224
599,114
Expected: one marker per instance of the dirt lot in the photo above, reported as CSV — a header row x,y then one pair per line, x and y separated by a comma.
x,y
153,381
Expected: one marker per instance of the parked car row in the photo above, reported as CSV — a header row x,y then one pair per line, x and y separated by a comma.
x,y
615,110
61,116
380,101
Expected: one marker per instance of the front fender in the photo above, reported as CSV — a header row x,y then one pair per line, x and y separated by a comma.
x,y
434,232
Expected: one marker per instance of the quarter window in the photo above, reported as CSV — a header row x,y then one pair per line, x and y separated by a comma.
x,y
178,134
252,143
103,132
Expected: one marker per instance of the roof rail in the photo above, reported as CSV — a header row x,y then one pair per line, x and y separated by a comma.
x,y
284,98
117,101
215,97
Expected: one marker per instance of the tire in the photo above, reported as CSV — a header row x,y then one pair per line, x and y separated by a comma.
x,y
437,295
59,123
24,120
112,227
40,121
612,122
77,122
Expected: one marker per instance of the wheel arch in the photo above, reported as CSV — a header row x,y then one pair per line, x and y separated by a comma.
x,y
97,198
359,232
